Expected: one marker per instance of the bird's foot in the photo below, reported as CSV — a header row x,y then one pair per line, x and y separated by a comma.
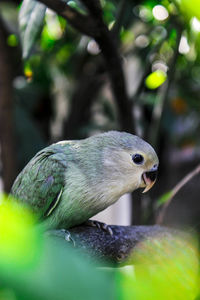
x,y
99,225
62,233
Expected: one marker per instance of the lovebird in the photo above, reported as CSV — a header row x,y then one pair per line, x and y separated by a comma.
x,y
68,182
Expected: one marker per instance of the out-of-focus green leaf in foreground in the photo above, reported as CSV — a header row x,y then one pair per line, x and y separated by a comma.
x,y
36,267
165,268
20,243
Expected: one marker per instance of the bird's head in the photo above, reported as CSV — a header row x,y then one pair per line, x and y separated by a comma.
x,y
127,161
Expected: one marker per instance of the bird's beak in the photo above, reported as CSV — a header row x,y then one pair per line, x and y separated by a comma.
x,y
149,178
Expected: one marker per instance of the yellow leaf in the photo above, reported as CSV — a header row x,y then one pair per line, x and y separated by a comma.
x,y
165,268
190,8
19,239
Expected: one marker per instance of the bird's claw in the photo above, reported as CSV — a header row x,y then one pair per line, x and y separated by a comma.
x,y
67,236
62,233
100,225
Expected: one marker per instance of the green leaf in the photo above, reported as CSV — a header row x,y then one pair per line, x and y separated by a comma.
x,y
164,268
12,40
38,267
155,79
19,239
31,18
190,8
164,198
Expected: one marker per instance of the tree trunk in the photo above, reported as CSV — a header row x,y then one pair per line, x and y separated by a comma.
x,y
6,112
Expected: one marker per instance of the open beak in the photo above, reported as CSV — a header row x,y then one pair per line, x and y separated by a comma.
x,y
149,178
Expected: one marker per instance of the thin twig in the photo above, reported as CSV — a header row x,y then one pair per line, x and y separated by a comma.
x,y
175,190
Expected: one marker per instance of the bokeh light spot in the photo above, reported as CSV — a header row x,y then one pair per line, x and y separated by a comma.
x,y
160,13
155,79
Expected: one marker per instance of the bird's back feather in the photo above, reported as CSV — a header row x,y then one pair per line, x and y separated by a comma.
x,y
40,183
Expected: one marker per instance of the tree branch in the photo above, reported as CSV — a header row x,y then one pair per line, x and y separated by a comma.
x,y
81,102
94,26
83,23
117,248
6,112
175,190
113,61
119,18
94,7
114,67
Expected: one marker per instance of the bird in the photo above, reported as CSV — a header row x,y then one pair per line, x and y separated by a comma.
x,y
68,182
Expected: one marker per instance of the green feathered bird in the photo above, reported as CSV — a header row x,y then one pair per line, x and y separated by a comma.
x,y
68,182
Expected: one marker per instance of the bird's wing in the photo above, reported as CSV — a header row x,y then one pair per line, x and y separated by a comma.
x,y
41,182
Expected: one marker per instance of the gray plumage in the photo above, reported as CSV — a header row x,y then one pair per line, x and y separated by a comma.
x,y
68,182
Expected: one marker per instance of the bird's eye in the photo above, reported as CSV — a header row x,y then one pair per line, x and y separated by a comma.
x,y
138,159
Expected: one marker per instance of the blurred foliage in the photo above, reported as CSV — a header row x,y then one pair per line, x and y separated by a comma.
x,y
33,266
19,242
190,8
148,32
165,268
36,266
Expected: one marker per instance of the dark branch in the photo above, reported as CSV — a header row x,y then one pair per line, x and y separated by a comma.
x,y
94,26
114,67
82,100
117,248
6,111
113,62
119,18
93,6
83,23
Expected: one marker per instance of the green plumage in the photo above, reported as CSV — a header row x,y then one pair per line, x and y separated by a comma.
x,y
42,180
69,182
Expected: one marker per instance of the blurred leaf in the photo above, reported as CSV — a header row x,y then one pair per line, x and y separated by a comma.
x,y
108,12
127,36
31,18
62,273
35,267
12,40
165,268
164,198
190,8
172,38
28,72
47,41
155,79
18,240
